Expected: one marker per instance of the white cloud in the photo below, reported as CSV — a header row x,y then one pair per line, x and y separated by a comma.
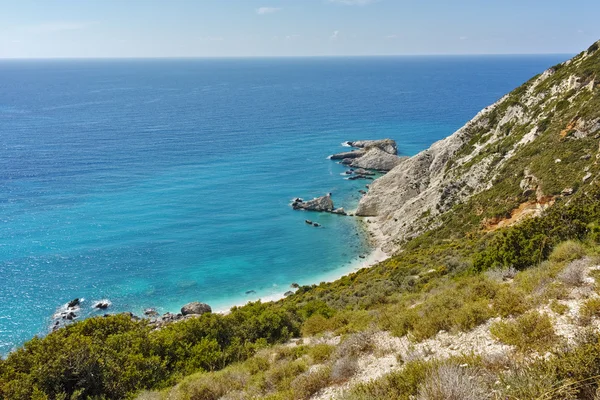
x,y
267,10
335,35
391,37
290,37
353,2
464,38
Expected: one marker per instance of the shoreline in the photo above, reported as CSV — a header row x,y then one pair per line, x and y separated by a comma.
x,y
375,238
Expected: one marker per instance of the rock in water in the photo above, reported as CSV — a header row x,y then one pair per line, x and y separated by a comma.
x,y
102,305
150,312
195,308
377,159
323,203
74,303
348,154
387,145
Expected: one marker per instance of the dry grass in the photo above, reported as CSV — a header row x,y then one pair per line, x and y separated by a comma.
x,y
452,382
574,273
501,274
344,369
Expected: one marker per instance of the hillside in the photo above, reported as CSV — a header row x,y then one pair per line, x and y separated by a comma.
x,y
491,292
532,146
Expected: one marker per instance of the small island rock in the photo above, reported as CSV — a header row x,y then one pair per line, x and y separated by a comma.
x,y
323,203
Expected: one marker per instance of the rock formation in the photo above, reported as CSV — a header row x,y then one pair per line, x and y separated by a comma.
x,y
468,162
380,155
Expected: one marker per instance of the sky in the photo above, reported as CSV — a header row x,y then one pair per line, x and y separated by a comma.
x,y
266,28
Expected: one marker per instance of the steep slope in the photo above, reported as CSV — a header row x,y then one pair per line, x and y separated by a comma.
x,y
534,144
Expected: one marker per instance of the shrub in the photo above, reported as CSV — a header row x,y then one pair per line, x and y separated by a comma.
x,y
343,369
501,274
319,353
472,314
534,381
589,310
354,345
567,251
510,302
309,383
558,308
530,331
451,382
400,385
574,272
316,324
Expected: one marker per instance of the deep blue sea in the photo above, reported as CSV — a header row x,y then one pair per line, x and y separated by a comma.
x,y
153,183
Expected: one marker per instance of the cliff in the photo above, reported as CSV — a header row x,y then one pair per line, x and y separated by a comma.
x,y
544,132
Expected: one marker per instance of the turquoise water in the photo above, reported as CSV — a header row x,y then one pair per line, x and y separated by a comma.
x,y
153,183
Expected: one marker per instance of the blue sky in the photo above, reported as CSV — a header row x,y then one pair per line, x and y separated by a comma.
x,y
217,28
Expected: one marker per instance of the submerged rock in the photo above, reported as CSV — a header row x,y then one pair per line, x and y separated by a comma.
x,y
195,308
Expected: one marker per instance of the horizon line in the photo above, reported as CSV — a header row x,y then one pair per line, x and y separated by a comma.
x,y
282,56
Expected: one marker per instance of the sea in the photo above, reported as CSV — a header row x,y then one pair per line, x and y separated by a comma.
x,y
152,183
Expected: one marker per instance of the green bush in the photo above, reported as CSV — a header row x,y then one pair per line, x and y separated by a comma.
x,y
567,251
529,332
112,357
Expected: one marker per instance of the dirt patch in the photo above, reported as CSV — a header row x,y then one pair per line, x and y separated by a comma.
x,y
525,210
570,127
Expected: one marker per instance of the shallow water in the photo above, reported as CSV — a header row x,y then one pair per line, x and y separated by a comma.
x,y
153,183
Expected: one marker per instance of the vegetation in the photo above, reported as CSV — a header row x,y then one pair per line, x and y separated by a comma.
x,y
453,278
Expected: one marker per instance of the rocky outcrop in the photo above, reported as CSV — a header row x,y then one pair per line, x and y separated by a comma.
x,y
348,155
380,155
377,159
195,308
323,204
417,190
387,145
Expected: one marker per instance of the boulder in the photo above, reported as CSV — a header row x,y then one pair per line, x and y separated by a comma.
x,y
323,203
294,285
339,211
288,293
195,308
150,312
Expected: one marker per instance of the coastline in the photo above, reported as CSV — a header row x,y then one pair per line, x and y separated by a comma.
x,y
375,237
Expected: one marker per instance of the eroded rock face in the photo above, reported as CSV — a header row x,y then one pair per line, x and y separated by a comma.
x,y
323,204
195,308
377,159
348,155
467,162
380,155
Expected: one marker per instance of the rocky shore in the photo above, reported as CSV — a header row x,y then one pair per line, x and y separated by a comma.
x,y
378,155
